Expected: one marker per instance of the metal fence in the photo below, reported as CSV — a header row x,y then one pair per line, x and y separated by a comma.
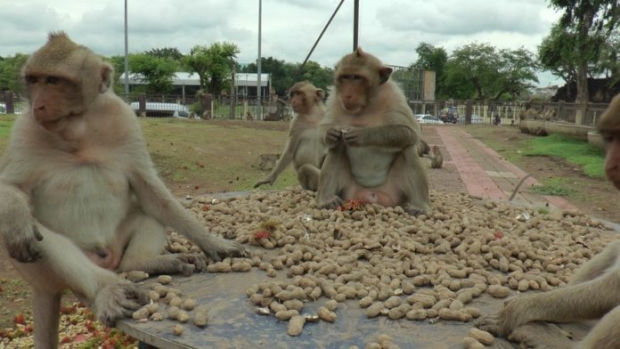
x,y
509,113
273,108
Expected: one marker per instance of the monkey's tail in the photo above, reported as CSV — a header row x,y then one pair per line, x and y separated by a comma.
x,y
514,193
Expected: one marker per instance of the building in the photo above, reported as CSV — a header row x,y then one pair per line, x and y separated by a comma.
x,y
188,84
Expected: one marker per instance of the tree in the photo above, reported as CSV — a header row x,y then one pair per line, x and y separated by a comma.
x,y
166,52
10,68
213,64
478,64
517,71
557,53
284,75
156,73
435,59
316,74
480,71
592,22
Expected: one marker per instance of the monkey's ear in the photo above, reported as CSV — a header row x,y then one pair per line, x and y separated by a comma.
x,y
107,77
384,74
320,94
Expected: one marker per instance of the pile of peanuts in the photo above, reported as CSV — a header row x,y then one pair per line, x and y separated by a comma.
x,y
392,264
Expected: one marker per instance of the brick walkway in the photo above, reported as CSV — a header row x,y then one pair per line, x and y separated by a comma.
x,y
486,174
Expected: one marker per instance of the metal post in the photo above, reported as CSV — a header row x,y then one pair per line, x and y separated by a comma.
x,y
356,16
126,56
259,114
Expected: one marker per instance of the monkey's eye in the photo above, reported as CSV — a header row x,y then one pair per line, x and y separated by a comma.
x,y
52,80
30,79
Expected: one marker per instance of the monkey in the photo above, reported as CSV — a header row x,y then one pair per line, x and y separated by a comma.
x,y
436,158
304,147
78,189
372,140
267,162
592,293
423,149
249,116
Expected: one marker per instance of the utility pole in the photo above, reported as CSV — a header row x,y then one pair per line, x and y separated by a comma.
x,y
356,20
126,57
259,105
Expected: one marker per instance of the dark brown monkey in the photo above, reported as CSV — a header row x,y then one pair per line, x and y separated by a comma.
x,y
372,139
79,193
436,157
591,294
304,147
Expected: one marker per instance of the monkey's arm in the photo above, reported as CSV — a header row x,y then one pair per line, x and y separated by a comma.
x,y
393,136
157,201
17,225
285,159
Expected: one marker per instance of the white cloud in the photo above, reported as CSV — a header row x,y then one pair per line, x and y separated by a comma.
x,y
390,29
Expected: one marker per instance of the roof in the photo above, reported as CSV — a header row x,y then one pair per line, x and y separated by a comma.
x,y
191,79
251,79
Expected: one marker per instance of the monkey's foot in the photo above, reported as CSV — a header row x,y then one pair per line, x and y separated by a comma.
x,y
489,323
118,299
218,248
191,262
541,335
333,202
413,210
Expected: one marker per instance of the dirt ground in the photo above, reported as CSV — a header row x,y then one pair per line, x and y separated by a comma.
x,y
593,196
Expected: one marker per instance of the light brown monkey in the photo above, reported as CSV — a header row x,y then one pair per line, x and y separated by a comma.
x,y
593,292
78,188
372,139
266,162
304,147
436,157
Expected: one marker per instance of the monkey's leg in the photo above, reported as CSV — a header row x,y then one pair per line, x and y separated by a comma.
x,y
596,266
63,265
46,310
541,335
587,300
308,176
335,175
145,248
408,173
606,333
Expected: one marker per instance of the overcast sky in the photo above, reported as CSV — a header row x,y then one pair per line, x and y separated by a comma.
x,y
390,29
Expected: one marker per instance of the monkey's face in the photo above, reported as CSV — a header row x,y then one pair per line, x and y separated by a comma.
x,y
53,99
298,101
353,94
612,158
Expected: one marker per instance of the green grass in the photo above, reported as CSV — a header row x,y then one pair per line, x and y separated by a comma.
x,y
6,123
554,186
574,151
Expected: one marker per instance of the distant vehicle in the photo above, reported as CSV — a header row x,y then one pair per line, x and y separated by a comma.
x,y
157,109
428,119
449,115
2,108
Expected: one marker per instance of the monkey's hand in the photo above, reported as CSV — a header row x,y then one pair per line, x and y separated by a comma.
x,y
217,248
17,224
354,137
267,180
20,242
333,136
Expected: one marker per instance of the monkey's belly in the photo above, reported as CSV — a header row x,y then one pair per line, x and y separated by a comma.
x,y
309,151
85,204
369,166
